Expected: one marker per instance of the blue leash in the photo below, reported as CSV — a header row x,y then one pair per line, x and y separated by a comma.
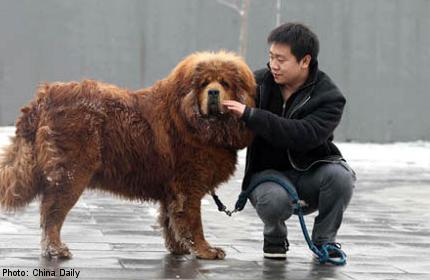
x,y
323,252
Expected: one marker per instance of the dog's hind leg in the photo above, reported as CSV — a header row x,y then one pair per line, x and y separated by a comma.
x,y
67,166
57,200
172,244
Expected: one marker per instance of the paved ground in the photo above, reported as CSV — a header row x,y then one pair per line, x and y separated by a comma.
x,y
385,233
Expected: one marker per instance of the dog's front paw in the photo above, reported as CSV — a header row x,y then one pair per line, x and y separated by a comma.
x,y
55,251
211,253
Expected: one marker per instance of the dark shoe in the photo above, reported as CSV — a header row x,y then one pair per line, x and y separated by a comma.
x,y
276,251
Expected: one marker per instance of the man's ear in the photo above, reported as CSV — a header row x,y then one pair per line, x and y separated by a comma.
x,y
306,61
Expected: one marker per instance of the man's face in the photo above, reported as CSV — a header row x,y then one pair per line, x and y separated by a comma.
x,y
284,66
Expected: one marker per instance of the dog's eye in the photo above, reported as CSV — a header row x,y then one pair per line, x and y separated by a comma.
x,y
204,84
224,84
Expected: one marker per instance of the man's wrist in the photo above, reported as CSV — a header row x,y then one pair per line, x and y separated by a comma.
x,y
246,114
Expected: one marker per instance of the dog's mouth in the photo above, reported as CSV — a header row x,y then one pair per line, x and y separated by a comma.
x,y
214,108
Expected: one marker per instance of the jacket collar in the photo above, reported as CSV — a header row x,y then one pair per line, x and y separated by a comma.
x,y
269,82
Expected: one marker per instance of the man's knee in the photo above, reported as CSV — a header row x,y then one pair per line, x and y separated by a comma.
x,y
340,180
272,202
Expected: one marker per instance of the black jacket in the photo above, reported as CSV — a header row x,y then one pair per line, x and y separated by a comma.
x,y
304,133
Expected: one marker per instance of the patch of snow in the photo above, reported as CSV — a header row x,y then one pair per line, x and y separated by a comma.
x,y
8,227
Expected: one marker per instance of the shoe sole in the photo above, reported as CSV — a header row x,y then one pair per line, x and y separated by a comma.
x,y
279,256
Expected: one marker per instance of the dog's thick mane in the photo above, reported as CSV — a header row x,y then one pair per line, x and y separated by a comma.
x,y
228,132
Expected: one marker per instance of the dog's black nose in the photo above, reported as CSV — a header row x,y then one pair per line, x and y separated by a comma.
x,y
213,92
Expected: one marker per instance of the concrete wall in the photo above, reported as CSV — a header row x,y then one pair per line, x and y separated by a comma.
x,y
377,51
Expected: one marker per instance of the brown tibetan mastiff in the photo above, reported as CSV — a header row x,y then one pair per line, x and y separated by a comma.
x,y
172,142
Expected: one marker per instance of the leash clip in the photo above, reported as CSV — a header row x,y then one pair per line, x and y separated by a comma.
x,y
228,212
222,207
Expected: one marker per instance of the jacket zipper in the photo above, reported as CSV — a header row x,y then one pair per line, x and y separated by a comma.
x,y
298,106
288,150
283,108
290,158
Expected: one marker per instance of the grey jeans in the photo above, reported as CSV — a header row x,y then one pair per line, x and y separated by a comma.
x,y
326,187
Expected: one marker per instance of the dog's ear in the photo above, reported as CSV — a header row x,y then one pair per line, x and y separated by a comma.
x,y
183,74
246,78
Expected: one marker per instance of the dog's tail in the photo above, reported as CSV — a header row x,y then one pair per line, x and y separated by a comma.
x,y
17,184
18,180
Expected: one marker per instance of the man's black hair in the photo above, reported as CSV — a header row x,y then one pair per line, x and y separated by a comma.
x,y
298,37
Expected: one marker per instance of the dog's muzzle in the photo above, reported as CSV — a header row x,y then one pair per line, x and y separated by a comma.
x,y
213,102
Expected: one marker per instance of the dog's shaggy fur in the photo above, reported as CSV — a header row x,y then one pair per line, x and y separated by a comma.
x,y
172,143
